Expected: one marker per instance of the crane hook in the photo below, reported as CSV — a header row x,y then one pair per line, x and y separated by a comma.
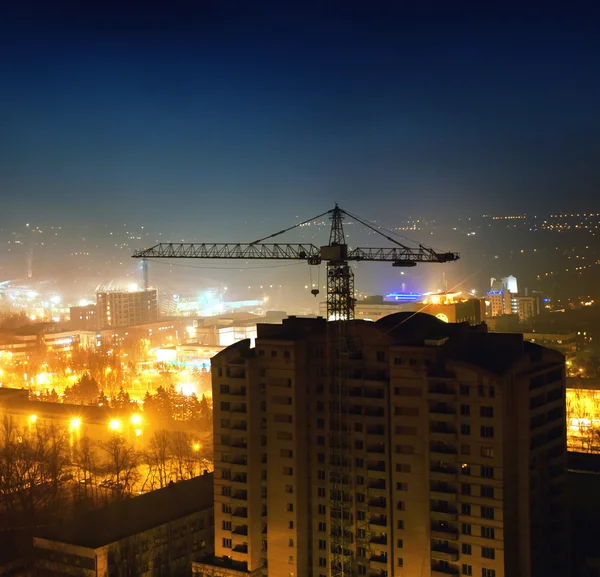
x,y
314,292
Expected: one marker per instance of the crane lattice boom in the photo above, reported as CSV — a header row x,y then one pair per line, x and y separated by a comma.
x,y
337,254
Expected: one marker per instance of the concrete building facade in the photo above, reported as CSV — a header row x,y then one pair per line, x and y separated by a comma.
x,y
452,459
159,533
125,308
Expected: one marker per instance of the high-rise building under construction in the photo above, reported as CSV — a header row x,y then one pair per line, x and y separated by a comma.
x,y
451,459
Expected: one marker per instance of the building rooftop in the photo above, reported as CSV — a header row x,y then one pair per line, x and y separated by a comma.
x,y
133,516
494,352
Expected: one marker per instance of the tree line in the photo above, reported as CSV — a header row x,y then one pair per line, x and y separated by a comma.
x,y
47,472
167,404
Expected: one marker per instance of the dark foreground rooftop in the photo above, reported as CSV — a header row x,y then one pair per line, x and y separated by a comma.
x,y
494,352
133,516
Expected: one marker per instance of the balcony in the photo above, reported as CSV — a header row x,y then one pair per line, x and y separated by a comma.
x,y
442,411
241,548
241,530
442,491
440,553
240,495
238,426
380,521
440,373
441,392
443,451
241,512
378,449
444,533
240,479
239,444
376,430
370,411
379,539
377,484
378,561
440,512
443,571
447,473
442,432
380,503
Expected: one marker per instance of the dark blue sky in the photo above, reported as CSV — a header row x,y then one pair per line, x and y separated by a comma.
x,y
212,113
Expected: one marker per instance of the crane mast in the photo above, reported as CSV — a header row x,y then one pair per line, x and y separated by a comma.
x,y
340,343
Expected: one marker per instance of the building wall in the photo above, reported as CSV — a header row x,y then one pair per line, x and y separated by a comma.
x,y
171,547
84,317
444,458
124,308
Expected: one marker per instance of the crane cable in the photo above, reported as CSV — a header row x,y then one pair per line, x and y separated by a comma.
x,y
421,246
292,227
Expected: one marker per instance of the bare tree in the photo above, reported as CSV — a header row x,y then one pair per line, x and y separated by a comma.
x,y
85,459
34,464
123,462
183,454
157,457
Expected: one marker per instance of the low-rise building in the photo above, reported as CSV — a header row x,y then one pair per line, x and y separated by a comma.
x,y
159,533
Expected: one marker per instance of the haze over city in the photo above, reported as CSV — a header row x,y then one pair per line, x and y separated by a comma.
x,y
299,290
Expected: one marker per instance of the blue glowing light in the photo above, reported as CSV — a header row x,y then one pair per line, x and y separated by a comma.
x,y
404,296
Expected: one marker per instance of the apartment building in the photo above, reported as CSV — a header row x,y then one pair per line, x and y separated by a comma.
x,y
159,533
426,448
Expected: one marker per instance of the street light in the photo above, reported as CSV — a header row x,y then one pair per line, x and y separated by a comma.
x,y
136,419
114,425
75,423
33,418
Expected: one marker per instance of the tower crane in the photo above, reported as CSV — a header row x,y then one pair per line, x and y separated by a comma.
x,y
340,307
337,255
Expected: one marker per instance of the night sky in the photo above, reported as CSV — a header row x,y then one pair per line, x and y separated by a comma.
x,y
212,113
